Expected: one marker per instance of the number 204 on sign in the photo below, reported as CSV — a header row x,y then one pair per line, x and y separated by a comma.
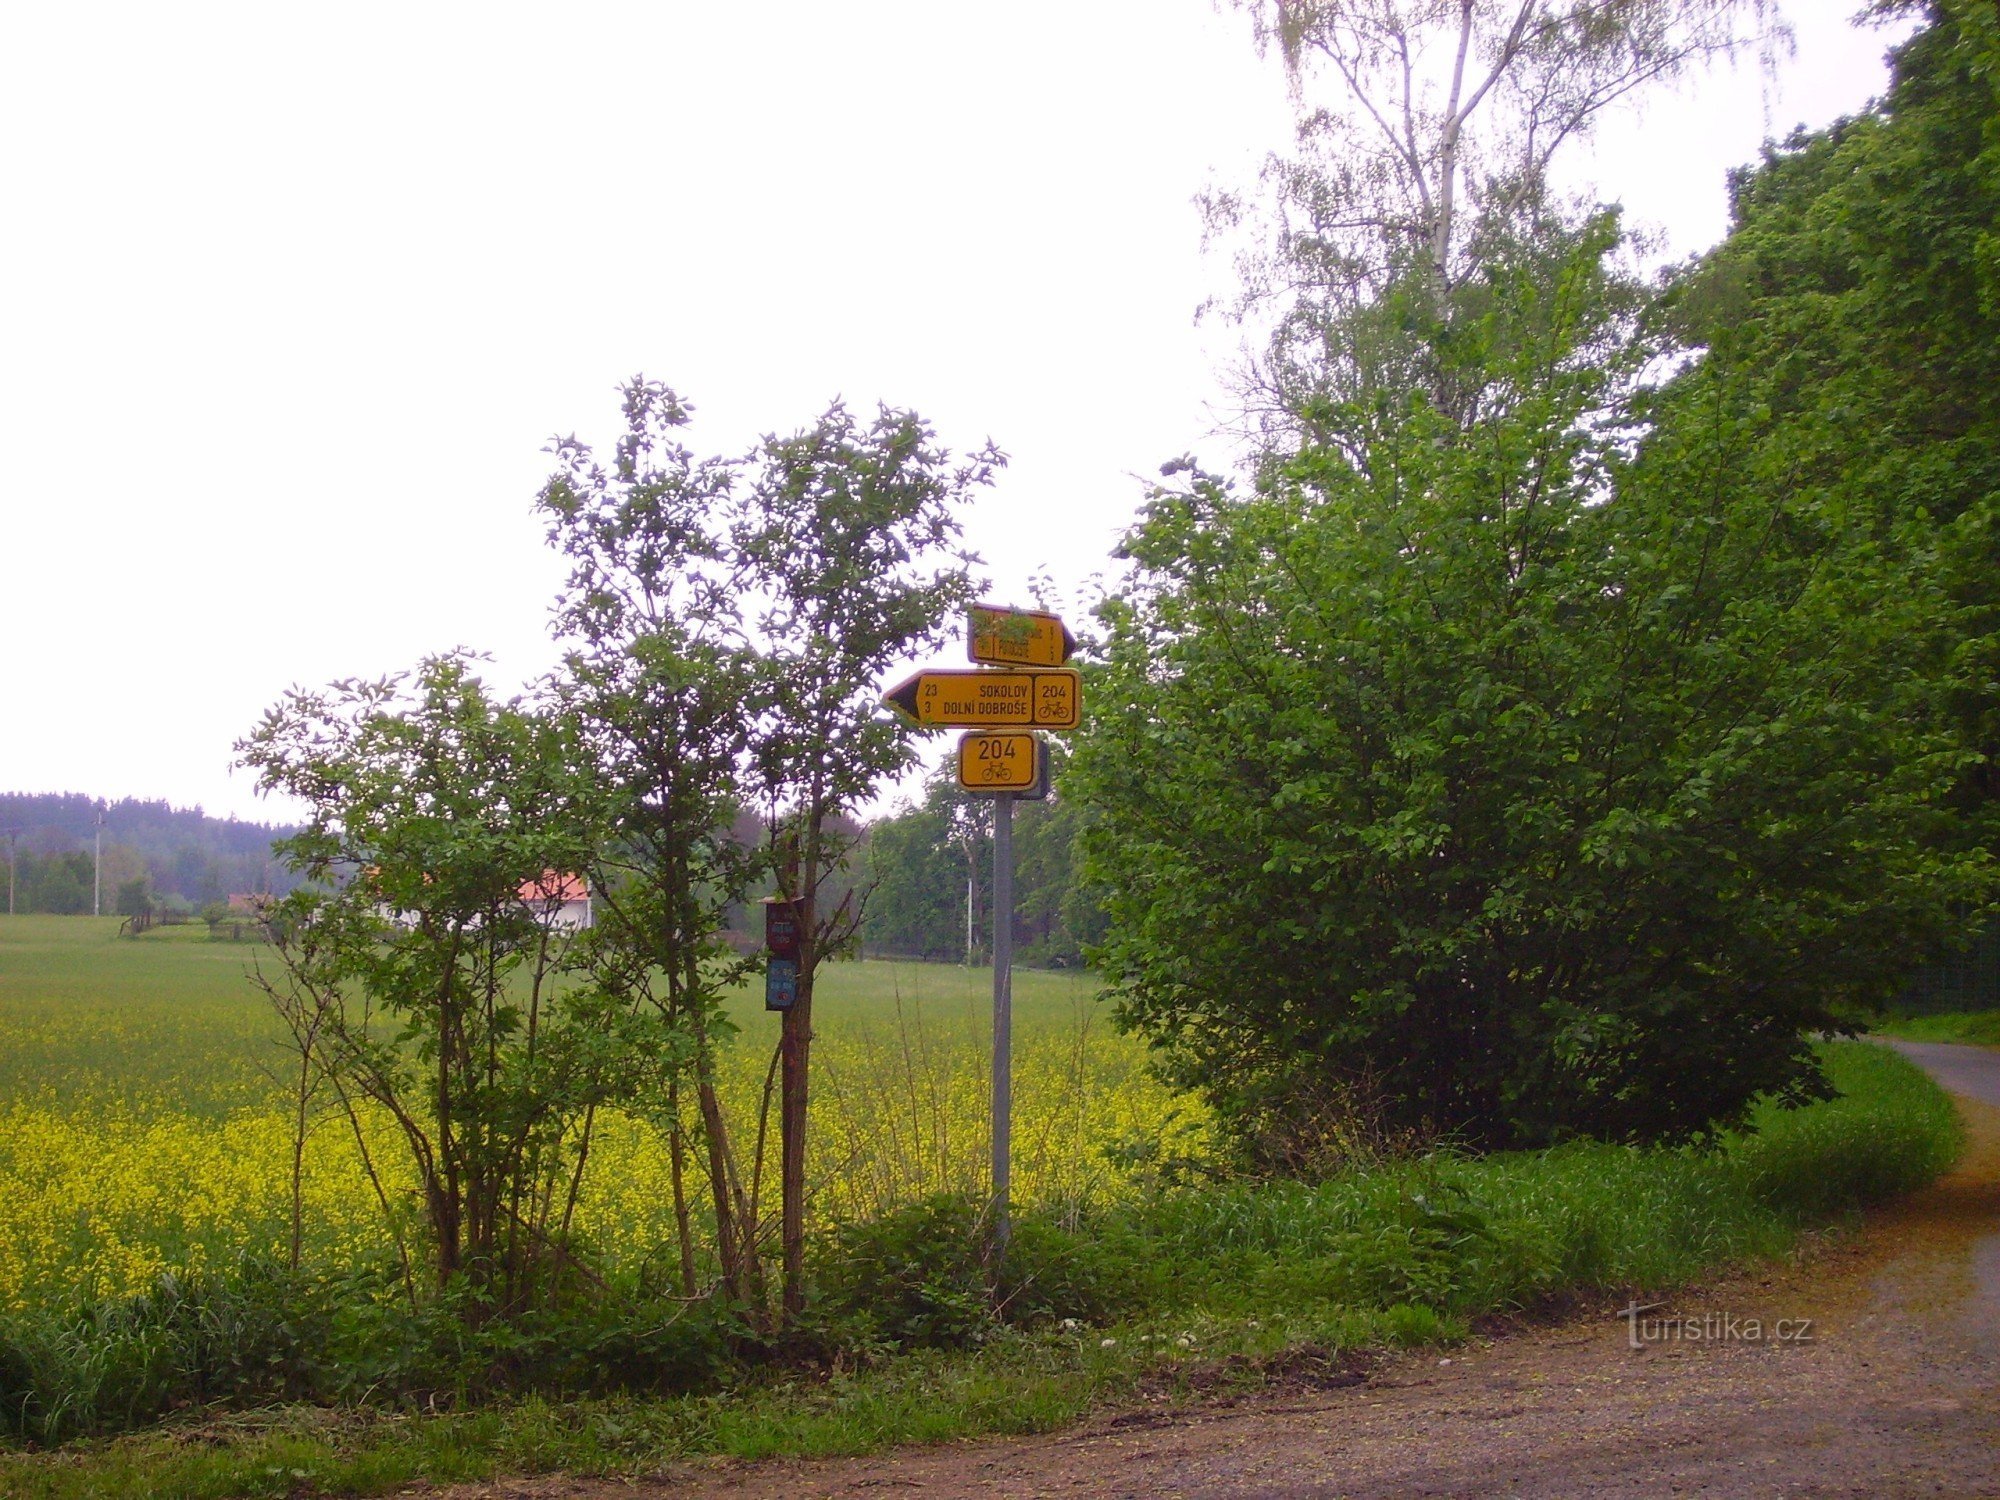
x,y
999,762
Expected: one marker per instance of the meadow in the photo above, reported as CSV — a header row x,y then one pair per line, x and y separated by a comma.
x,y
141,1141
142,1123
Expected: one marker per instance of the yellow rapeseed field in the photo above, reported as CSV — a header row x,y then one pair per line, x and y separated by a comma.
x,y
140,1130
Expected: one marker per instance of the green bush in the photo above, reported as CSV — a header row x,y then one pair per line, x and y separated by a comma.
x,y
1094,1271
255,1333
919,1278
459,1347
913,1279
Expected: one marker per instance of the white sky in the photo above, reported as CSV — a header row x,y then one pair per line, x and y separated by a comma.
x,y
291,296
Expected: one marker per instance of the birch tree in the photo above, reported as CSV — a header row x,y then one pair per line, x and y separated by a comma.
x,y
1427,134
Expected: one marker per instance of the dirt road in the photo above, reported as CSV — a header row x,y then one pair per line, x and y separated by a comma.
x,y
1870,1369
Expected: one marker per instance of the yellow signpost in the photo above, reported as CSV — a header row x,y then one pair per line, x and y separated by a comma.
x,y
1022,686
1004,637
959,699
1000,760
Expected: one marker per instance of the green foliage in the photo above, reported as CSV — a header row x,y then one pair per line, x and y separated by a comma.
x,y
135,898
1482,779
664,687
259,1333
459,1349
913,1279
922,858
55,884
849,540
1464,1236
919,866
1852,328
922,1277
255,1333
732,621
423,968
849,533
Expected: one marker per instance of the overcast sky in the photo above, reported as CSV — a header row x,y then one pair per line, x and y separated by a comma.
x,y
293,295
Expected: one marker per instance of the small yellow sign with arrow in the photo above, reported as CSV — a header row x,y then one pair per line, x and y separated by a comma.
x,y
1001,636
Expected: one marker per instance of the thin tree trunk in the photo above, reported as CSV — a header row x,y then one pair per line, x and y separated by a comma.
x,y
677,1158
794,1071
727,1247
299,1165
795,1061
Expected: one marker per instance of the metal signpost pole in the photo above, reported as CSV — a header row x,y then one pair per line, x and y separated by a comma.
x,y
1003,1008
1018,685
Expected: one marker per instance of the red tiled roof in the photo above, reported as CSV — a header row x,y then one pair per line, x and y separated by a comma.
x,y
554,887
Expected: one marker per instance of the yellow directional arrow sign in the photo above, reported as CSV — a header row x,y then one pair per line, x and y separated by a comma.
x,y
947,699
1016,637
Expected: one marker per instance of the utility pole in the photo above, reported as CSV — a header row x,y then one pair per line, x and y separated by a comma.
x,y
97,872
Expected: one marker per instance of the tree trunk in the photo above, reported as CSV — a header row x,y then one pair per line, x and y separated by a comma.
x,y
677,1157
795,1060
727,1248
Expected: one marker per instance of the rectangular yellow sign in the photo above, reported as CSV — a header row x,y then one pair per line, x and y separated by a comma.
x,y
1008,637
956,699
1003,760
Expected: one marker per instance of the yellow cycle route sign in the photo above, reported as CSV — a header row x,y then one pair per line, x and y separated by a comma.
x,y
990,699
1000,760
1002,636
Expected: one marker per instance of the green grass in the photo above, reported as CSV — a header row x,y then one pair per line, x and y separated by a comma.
x,y
174,1019
85,1014
1206,1284
1981,1028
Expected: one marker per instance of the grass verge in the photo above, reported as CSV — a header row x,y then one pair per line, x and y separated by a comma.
x,y
1192,1287
1981,1028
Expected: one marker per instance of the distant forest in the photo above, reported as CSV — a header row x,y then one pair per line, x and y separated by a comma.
x,y
155,855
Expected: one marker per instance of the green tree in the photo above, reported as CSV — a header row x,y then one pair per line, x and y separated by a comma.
x,y
1851,323
1059,915
665,685
925,861
59,884
847,538
918,884
135,898
1475,776
427,955
735,620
